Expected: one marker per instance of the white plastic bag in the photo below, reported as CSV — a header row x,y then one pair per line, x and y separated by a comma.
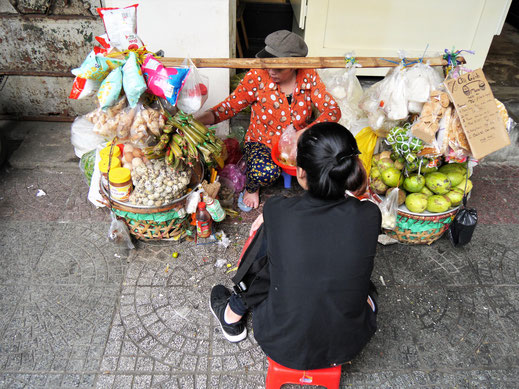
x,y
83,137
194,93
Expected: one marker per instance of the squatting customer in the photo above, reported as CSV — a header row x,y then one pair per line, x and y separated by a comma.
x,y
313,256
278,98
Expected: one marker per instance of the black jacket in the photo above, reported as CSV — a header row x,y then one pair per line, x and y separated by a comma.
x,y
320,258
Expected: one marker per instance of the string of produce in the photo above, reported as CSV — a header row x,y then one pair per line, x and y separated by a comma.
x,y
184,139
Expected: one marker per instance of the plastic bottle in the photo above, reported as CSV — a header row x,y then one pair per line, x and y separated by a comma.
x,y
214,208
203,221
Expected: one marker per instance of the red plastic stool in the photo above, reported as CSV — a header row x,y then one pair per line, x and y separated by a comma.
x,y
278,375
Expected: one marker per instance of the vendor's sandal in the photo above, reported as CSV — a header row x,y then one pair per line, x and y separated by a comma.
x,y
242,205
234,332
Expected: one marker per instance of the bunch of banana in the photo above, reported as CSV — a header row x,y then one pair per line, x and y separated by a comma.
x,y
197,137
184,139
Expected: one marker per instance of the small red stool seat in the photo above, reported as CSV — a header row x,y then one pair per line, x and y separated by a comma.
x,y
278,375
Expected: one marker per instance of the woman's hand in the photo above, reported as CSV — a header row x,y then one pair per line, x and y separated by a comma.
x,y
207,118
256,224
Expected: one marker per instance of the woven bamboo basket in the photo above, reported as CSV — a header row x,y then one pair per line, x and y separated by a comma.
x,y
156,223
419,228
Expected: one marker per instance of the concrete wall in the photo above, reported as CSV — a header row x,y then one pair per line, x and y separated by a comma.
x,y
42,40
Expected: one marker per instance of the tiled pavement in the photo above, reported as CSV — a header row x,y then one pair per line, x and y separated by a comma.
x,y
79,312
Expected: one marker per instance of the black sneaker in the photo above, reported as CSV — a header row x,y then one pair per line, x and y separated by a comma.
x,y
235,332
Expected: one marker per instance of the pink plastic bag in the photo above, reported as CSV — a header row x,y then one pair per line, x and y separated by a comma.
x,y
235,175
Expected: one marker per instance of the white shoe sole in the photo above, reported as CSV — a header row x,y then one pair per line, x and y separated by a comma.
x,y
230,338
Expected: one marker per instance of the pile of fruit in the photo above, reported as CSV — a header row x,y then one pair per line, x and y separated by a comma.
x,y
428,188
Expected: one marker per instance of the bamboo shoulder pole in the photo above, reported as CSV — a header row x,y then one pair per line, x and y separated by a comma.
x,y
299,62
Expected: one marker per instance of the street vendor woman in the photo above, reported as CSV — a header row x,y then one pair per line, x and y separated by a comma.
x,y
278,98
306,274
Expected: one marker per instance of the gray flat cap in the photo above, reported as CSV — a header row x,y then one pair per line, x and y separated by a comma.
x,y
283,43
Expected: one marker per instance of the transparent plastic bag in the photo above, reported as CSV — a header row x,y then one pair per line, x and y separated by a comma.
x,y
393,95
83,137
119,233
87,165
345,87
389,210
194,93
287,146
421,80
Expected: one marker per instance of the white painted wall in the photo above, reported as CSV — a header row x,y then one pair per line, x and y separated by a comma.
x,y
195,28
375,28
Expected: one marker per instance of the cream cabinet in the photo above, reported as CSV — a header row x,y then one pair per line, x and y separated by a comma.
x,y
382,28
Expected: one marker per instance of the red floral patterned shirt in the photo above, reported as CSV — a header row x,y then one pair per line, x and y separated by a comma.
x,y
271,112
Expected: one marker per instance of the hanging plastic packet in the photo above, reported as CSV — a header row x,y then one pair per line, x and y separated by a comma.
x,y
121,26
389,210
366,142
83,87
344,85
162,81
421,80
119,234
133,80
464,223
104,41
96,67
110,89
194,92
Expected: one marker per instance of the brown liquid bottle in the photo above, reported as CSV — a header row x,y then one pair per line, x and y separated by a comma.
x,y
203,221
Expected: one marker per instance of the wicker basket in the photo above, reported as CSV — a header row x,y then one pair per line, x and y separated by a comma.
x,y
174,228
421,229
156,223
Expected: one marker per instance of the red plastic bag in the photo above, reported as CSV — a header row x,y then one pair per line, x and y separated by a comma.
x,y
234,153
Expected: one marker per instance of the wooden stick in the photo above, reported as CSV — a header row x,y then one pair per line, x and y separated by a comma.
x,y
298,62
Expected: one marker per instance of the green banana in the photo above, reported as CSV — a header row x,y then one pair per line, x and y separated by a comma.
x,y
176,150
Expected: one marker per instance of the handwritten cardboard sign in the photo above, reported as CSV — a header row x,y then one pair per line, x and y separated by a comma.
x,y
477,109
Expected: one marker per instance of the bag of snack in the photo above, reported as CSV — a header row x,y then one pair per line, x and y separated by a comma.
x,y
83,87
110,89
133,81
96,66
121,26
162,81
